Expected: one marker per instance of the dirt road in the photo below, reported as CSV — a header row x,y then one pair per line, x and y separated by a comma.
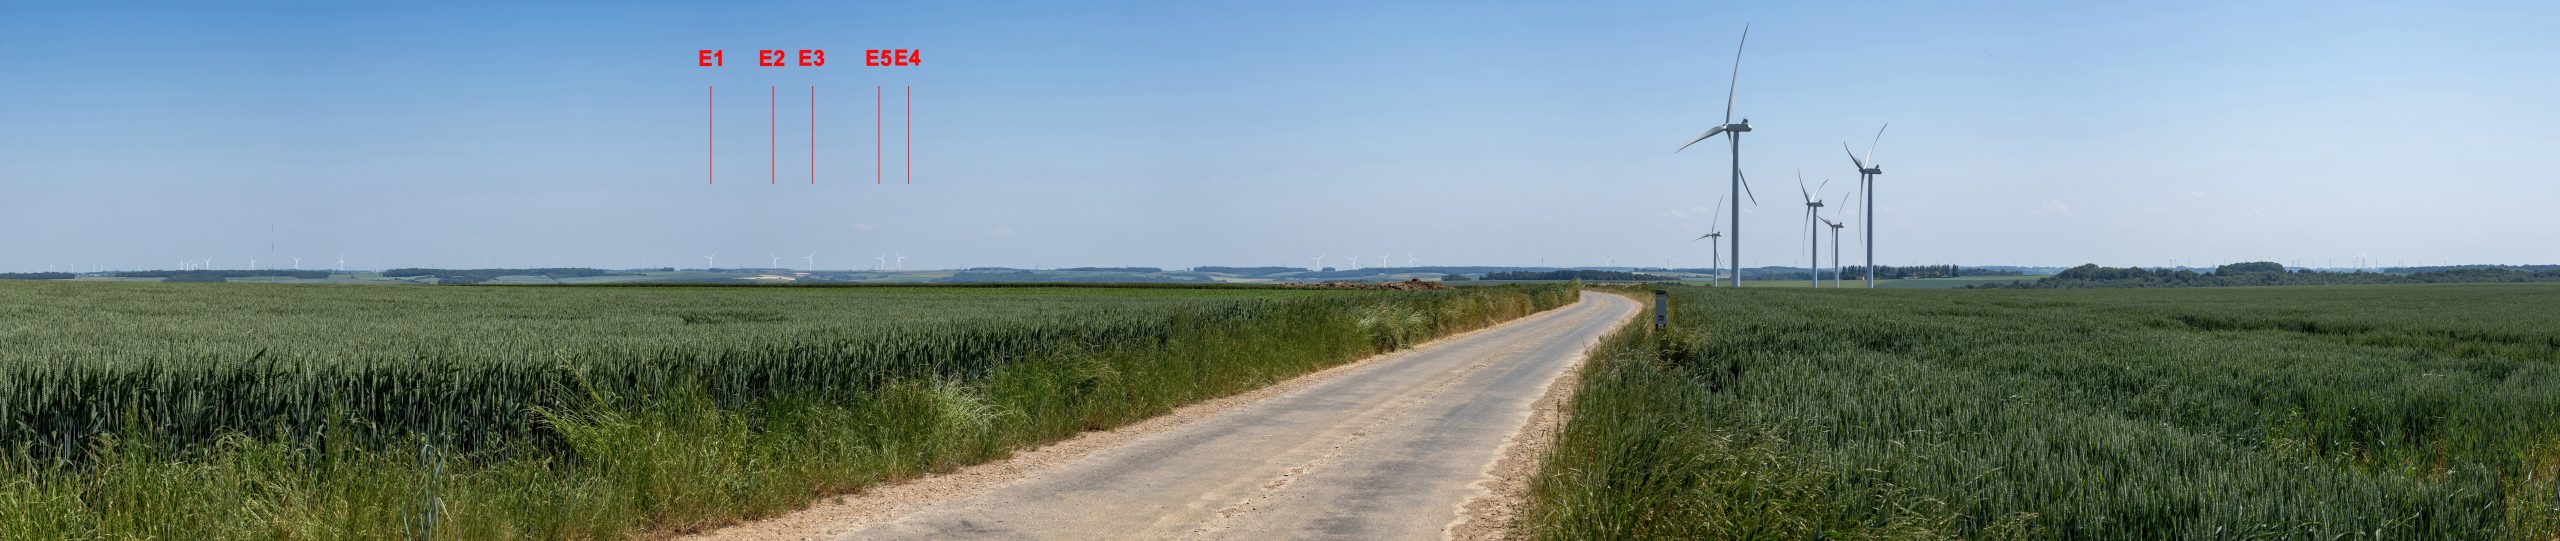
x,y
1388,449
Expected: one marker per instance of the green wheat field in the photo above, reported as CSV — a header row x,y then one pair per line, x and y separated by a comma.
x,y
2354,412
256,411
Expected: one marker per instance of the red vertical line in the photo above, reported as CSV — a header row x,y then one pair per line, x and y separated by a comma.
x,y
910,160
876,168
813,134
773,135
710,139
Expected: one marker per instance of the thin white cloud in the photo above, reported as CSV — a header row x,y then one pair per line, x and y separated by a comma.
x,y
2053,207
2197,194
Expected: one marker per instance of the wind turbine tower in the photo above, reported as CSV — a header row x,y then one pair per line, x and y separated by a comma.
x,y
1733,133
1812,213
1835,251
812,260
1868,170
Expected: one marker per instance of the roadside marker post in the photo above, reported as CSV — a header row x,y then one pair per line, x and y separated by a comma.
x,y
1661,309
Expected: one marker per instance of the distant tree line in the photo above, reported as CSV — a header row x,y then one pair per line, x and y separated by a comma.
x,y
1113,269
448,276
36,276
1023,276
2264,273
2528,268
1578,274
199,275
1250,271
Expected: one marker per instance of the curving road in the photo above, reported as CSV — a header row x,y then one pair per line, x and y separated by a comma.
x,y
1388,451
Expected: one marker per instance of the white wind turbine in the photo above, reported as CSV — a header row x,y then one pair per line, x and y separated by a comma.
x,y
342,263
1835,250
1354,262
1868,170
1733,132
297,263
1715,252
253,263
708,261
776,263
901,259
880,263
1382,259
1319,266
1409,259
812,260
1812,212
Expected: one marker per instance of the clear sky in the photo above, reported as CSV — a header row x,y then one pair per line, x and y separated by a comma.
x,y
1181,133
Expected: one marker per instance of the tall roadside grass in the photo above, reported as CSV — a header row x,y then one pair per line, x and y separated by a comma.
x,y
595,441
2380,412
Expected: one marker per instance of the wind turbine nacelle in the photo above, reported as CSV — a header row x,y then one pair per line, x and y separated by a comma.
x,y
1877,170
1745,125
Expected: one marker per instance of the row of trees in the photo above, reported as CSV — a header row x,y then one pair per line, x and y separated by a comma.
x,y
2263,273
36,276
1584,275
204,275
570,272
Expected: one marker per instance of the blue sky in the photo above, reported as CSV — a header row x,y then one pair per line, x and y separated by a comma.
x,y
1178,134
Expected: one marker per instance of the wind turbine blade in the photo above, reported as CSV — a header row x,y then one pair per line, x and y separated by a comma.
x,y
1808,196
1826,183
1746,188
1871,145
1735,83
1719,212
1702,237
1701,137
1853,156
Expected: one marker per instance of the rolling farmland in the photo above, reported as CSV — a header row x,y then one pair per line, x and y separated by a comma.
x,y
141,409
2391,412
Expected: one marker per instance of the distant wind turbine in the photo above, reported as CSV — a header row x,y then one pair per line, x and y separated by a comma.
x,y
812,259
1812,212
1835,251
902,260
882,262
1319,263
708,261
1409,259
1733,132
342,263
1715,252
1382,259
1868,170
1353,262
776,263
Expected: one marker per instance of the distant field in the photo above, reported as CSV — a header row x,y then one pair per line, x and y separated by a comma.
x,y
1857,283
2307,412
